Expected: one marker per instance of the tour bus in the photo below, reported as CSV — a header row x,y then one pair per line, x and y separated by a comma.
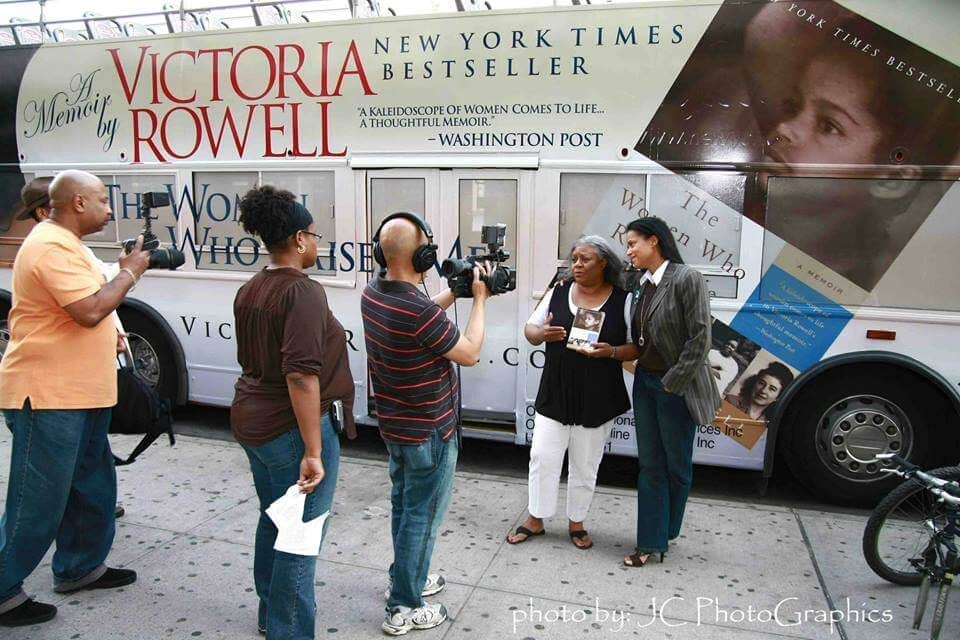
x,y
803,152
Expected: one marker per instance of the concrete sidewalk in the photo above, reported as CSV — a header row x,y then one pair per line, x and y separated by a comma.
x,y
191,516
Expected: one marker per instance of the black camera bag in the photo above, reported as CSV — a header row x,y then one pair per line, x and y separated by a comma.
x,y
139,409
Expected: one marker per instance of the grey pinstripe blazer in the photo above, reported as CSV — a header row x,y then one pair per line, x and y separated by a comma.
x,y
679,322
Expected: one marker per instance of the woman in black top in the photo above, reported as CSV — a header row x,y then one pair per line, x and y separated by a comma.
x,y
293,356
579,397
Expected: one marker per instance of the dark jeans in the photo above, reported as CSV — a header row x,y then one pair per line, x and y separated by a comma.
x,y
284,581
665,433
63,489
422,477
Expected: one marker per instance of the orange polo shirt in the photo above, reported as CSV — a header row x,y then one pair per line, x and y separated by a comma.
x,y
51,359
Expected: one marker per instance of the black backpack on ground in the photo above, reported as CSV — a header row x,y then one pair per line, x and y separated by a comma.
x,y
139,409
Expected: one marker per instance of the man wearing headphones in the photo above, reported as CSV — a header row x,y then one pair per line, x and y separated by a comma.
x,y
411,345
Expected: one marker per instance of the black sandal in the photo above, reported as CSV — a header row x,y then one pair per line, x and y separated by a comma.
x,y
579,534
522,530
640,558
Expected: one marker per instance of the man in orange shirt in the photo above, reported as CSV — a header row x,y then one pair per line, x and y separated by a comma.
x,y
35,204
57,384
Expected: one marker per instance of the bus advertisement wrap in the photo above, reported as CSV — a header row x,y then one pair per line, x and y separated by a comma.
x,y
803,154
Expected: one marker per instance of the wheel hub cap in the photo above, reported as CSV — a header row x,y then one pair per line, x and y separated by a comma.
x,y
145,360
854,430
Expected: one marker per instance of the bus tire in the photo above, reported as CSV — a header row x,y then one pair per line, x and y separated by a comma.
x,y
153,355
4,326
836,425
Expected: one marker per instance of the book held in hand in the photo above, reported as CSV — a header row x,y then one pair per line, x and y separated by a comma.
x,y
586,328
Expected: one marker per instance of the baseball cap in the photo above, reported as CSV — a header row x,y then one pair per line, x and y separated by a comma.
x,y
34,194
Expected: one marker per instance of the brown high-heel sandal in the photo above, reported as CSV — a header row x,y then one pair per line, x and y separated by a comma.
x,y
640,558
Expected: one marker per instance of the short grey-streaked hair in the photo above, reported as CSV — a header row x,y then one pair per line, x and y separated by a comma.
x,y
612,273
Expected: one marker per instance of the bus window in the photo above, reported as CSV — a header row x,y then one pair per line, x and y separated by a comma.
x,y
389,195
866,241
315,190
222,243
706,229
13,231
599,204
487,202
126,194
129,192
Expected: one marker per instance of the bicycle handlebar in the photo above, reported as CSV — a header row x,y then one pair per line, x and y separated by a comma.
x,y
946,490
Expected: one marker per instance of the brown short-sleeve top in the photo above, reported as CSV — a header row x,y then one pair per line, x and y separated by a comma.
x,y
284,325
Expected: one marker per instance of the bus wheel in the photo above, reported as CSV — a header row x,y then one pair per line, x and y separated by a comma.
x,y
838,425
153,356
4,327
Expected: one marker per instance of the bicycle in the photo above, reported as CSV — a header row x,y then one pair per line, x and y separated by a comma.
x,y
897,530
939,560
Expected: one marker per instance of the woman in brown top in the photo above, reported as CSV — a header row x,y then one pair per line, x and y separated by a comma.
x,y
293,355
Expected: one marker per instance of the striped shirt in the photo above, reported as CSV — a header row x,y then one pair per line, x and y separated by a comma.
x,y
415,389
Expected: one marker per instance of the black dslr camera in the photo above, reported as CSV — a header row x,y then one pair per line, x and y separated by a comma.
x,y
170,258
459,271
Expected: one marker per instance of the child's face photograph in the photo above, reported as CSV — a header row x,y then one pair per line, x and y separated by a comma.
x,y
828,119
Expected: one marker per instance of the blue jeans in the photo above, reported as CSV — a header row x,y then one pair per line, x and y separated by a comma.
x,y
422,478
284,581
63,489
665,434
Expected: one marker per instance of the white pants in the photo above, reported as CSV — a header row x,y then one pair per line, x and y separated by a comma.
x,y
585,450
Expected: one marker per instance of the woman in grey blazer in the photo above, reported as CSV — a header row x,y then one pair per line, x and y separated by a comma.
x,y
673,389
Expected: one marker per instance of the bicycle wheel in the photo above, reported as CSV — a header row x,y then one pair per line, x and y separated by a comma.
x,y
897,529
921,605
940,609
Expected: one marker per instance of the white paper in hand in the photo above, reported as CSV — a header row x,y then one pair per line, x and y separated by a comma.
x,y
293,534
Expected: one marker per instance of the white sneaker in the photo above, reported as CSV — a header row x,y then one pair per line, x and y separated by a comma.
x,y
434,585
400,620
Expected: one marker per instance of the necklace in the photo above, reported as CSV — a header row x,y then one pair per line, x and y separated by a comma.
x,y
641,341
639,295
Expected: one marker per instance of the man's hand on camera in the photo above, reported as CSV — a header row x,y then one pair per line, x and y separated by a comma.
x,y
137,260
481,271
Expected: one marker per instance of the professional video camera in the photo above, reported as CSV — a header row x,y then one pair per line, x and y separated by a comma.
x,y
459,271
160,258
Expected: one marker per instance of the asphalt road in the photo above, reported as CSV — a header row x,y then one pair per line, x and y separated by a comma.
x,y
507,459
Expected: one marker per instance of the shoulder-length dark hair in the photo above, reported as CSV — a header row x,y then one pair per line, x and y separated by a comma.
x,y
776,370
654,226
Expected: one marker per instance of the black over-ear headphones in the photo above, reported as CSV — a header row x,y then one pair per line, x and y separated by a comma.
x,y
424,257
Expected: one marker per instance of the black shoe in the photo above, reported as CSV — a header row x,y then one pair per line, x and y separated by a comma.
x,y
119,511
30,612
112,579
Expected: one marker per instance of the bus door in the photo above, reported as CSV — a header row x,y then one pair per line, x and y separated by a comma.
x,y
458,204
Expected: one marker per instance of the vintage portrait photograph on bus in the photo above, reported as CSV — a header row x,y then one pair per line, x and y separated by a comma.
x,y
730,354
756,391
844,92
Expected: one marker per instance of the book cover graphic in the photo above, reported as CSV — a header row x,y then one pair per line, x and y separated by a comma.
x,y
586,328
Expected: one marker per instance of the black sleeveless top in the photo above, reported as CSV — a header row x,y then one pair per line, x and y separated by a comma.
x,y
575,389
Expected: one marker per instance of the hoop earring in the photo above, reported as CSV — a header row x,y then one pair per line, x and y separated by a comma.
x,y
301,249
